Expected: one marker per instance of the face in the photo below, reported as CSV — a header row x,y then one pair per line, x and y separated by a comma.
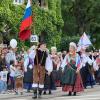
x,y
2,56
18,67
71,49
43,46
4,69
64,52
53,51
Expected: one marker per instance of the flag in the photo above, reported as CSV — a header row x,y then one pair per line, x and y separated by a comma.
x,y
25,31
84,41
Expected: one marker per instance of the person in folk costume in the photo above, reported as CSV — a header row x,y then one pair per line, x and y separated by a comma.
x,y
59,71
96,66
56,65
87,69
48,75
28,66
71,78
39,69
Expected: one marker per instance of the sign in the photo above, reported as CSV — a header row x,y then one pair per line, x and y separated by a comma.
x,y
18,2
34,38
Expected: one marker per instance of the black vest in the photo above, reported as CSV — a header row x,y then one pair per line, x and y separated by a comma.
x,y
40,57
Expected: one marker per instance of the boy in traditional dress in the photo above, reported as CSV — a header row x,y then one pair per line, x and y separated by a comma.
x,y
39,70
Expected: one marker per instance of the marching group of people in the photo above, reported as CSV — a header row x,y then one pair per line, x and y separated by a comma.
x,y
41,70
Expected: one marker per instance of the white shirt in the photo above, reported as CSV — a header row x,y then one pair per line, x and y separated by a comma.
x,y
12,71
3,75
49,64
95,66
85,59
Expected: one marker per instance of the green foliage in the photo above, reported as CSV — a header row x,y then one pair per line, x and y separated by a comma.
x,y
49,22
10,17
64,45
82,16
64,21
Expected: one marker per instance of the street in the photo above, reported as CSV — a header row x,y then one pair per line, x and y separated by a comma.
x,y
88,94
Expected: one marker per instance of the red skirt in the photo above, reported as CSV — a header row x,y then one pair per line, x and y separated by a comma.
x,y
78,87
58,83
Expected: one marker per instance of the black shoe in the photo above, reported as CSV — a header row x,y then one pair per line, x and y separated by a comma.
x,y
34,97
35,94
39,93
91,86
39,96
70,93
74,94
50,92
44,92
21,93
28,91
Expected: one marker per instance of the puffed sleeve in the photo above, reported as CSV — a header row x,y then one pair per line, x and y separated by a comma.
x,y
64,62
49,64
26,62
90,62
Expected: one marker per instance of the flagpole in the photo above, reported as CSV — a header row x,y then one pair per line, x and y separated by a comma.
x,y
33,18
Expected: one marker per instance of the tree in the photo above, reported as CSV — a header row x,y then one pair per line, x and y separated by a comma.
x,y
81,16
10,17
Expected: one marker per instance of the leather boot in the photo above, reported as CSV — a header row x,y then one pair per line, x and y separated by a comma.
x,y
35,93
39,92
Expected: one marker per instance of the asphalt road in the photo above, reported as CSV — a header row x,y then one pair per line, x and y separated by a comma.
x,y
88,94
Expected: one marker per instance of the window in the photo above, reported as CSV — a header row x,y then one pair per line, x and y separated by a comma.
x,y
18,2
43,4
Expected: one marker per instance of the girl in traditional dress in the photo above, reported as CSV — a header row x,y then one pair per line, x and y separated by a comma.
x,y
71,79
56,65
48,76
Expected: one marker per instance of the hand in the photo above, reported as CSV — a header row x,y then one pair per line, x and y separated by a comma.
x,y
77,71
49,73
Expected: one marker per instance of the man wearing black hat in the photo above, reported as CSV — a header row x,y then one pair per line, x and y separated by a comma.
x,y
39,70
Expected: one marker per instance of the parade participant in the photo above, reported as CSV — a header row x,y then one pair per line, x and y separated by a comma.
x,y
64,54
48,75
87,69
56,65
71,79
97,69
39,69
28,66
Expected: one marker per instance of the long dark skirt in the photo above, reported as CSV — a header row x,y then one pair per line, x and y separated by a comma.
x,y
87,77
98,76
90,81
57,74
49,83
77,87
84,73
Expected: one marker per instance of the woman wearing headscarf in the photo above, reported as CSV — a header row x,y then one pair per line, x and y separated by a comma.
x,y
71,79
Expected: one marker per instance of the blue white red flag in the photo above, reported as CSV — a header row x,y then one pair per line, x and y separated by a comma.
x,y
25,31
